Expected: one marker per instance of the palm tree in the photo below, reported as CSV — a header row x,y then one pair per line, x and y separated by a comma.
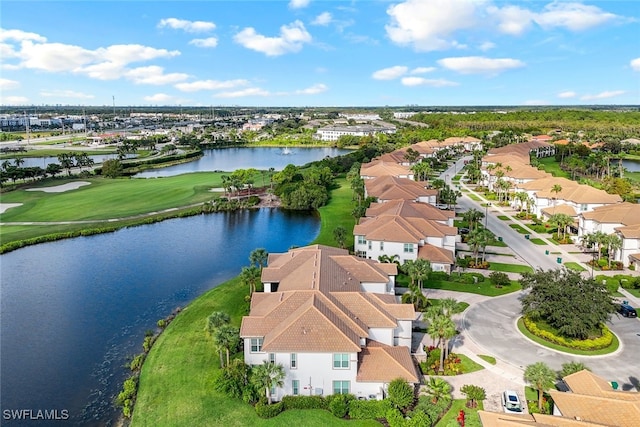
x,y
18,161
422,269
258,257
571,368
562,221
443,328
614,243
474,240
557,188
268,375
472,217
437,389
340,235
409,268
521,197
250,276
389,259
541,377
215,320
227,338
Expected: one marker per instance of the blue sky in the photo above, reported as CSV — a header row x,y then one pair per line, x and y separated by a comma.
x,y
320,53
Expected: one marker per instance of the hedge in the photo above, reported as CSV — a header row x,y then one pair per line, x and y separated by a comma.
x,y
369,409
268,411
601,342
305,402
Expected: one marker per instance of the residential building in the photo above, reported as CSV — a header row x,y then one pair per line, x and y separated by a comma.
x,y
380,168
333,133
411,209
387,188
333,322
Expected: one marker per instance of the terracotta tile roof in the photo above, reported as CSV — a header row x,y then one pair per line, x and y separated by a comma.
x,y
629,231
561,208
379,168
394,228
397,156
322,268
590,384
620,213
547,184
499,419
381,363
391,305
368,311
392,188
435,254
602,410
580,193
409,209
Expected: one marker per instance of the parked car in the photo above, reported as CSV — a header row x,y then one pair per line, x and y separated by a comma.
x,y
511,401
463,230
441,206
627,311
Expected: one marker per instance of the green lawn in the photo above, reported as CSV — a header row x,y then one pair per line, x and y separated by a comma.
x,y
634,292
509,268
482,288
469,365
503,218
106,198
458,405
519,228
337,213
474,197
550,165
574,266
613,347
537,241
487,358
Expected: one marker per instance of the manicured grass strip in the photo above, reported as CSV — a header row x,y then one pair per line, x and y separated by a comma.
x,y
471,415
469,365
634,292
487,358
574,266
483,288
462,306
503,218
519,228
474,197
537,241
337,212
613,347
509,268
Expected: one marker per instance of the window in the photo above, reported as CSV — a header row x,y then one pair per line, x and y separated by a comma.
x,y
294,360
369,244
341,361
362,240
295,386
583,207
408,248
341,387
272,358
382,246
256,345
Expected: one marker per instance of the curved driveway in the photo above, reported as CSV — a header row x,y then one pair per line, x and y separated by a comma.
x,y
491,324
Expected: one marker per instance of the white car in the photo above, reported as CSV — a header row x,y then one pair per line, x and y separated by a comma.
x,y
511,402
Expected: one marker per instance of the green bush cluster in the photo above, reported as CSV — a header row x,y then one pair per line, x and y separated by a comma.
x,y
126,398
601,342
339,404
136,363
467,278
268,411
369,409
304,402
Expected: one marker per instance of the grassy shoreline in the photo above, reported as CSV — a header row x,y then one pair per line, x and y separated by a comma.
x,y
176,381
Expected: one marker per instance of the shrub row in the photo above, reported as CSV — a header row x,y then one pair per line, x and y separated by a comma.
x,y
369,409
467,278
601,342
268,411
304,402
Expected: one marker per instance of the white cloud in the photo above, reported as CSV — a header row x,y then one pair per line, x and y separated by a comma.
x,y
164,99
188,26
567,94
19,36
603,95
312,90
635,64
421,81
429,26
486,46
210,85
573,16
14,100
208,42
292,38
54,57
480,65
299,4
65,94
390,73
422,70
252,91
6,84
323,19
154,75
512,20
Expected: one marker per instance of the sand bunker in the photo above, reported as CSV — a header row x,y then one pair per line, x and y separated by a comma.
x,y
61,188
5,206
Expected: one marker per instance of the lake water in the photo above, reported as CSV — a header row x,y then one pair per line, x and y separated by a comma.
x,y
75,310
261,158
630,165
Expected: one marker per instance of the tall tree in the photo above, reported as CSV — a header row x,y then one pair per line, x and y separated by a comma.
x,y
556,189
541,377
340,236
250,276
268,375
438,389
258,257
227,337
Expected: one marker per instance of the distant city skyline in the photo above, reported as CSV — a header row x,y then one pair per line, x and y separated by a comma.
x,y
320,53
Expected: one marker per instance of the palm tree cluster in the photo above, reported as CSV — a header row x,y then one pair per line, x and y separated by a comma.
x,y
226,337
604,243
441,326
